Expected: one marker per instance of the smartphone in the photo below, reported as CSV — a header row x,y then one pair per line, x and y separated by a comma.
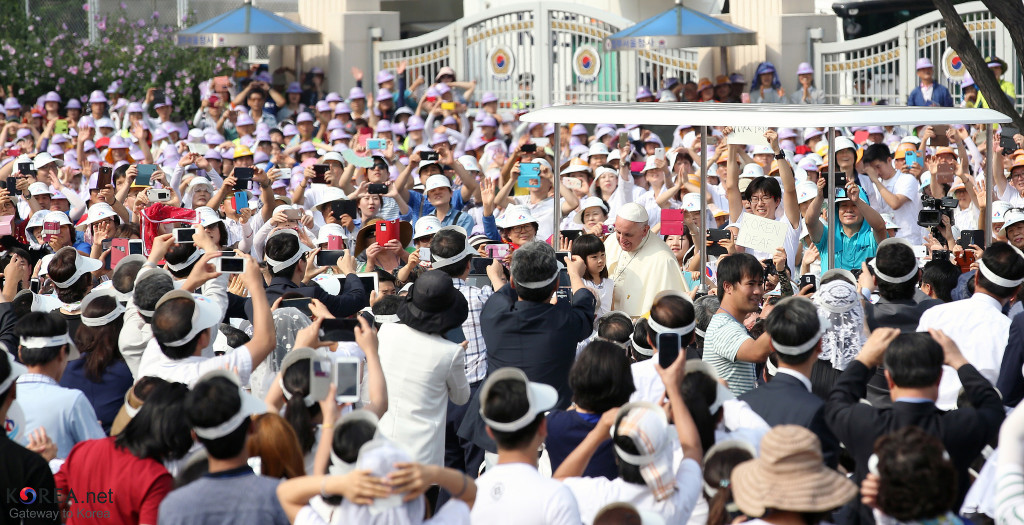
x,y
941,255
424,254
184,235
714,235
369,281
231,264
563,257
809,279
429,155
497,251
145,174
26,168
50,229
526,181
11,185
344,207
528,148
668,348
975,237
571,234
478,265
34,285
659,153
346,379
377,144
335,242
338,329
623,140
1006,140
541,142
241,201
60,127
302,304
377,189
319,174
158,195
529,175
242,178
841,179
329,257
136,247
940,138
319,378
387,231
104,178
118,251
572,182
292,214
450,106
911,158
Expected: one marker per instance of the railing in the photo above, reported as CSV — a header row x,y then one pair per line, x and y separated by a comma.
x,y
540,41
881,67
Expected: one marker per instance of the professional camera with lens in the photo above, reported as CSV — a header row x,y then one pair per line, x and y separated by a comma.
x,y
933,209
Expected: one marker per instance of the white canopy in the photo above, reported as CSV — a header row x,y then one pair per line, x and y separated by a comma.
x,y
762,115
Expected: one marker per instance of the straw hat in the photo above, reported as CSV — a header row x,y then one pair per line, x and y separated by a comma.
x,y
789,475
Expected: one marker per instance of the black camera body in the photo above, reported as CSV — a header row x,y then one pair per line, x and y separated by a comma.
x,y
933,209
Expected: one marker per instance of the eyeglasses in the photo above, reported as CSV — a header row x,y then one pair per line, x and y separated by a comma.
x,y
766,199
522,228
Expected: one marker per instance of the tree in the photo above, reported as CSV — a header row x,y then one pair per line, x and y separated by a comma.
x,y
1011,14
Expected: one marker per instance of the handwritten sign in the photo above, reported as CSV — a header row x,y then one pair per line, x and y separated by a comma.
x,y
748,135
761,234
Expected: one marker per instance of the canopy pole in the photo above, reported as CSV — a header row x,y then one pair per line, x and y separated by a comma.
x,y
832,197
556,181
990,163
702,223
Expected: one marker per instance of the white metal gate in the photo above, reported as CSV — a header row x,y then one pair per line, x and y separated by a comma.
x,y
542,39
881,67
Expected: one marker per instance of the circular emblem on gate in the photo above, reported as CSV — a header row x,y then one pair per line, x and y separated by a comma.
x,y
952,65
586,63
501,62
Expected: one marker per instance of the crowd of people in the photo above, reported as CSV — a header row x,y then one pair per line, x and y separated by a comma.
x,y
300,306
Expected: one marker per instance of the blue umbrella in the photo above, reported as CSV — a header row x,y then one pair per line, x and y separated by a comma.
x,y
247,26
679,27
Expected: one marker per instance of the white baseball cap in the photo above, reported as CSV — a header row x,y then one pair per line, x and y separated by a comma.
x,y
806,191
437,181
589,202
427,225
691,202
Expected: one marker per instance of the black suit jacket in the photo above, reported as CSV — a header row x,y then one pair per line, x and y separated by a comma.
x,y
964,431
353,295
786,401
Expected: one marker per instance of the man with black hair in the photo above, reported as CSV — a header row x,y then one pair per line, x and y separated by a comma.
x,y
938,279
977,325
859,227
65,413
20,467
727,346
451,252
671,313
795,328
292,270
704,308
150,285
913,370
219,412
513,409
893,192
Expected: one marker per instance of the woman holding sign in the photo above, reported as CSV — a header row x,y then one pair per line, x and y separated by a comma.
x,y
765,195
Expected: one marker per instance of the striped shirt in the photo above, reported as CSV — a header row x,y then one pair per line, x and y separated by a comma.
x,y
722,342
476,351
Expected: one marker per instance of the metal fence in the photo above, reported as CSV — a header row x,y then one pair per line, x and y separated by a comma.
x,y
540,41
881,67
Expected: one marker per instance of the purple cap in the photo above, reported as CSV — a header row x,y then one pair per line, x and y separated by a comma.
x,y
342,108
307,147
333,96
135,107
263,137
804,68
383,94
489,121
322,106
12,103
52,97
213,139
160,134
259,157
86,122
432,92
923,63
334,124
549,129
442,88
415,123
97,97
875,129
475,142
55,150
384,75
118,142
737,78
967,81
244,119
488,97
290,130
114,87
579,129
449,121
169,127
293,87
212,154
643,92
60,139
73,104
162,103
384,126
337,134
88,145
438,138
316,70
398,128
354,93
303,117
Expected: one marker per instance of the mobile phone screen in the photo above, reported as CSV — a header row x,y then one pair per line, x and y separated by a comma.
x,y
339,329
301,304
346,380
668,349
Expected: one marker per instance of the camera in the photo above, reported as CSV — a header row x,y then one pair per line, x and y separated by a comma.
x,y
933,209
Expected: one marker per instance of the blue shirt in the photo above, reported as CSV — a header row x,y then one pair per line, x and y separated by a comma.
x,y
65,413
105,396
419,206
850,251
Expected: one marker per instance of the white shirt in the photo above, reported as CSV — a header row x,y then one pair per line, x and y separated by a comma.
x,y
543,212
979,328
1011,195
454,512
422,372
189,370
966,219
594,493
647,381
906,216
517,494
605,294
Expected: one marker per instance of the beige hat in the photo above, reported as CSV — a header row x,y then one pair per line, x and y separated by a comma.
x,y
633,212
789,475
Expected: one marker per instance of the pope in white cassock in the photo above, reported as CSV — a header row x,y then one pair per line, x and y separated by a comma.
x,y
640,264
